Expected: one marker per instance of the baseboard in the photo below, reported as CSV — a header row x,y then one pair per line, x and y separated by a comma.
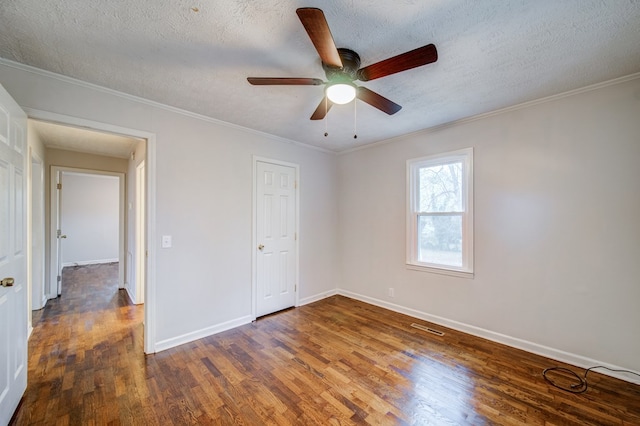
x,y
89,262
556,354
315,298
42,304
199,334
131,297
209,331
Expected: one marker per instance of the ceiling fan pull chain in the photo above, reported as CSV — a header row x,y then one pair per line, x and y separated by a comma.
x,y
326,117
355,119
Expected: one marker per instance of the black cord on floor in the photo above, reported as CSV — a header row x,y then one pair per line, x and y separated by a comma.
x,y
581,385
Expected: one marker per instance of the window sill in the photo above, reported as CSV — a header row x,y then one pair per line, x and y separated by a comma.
x,y
441,271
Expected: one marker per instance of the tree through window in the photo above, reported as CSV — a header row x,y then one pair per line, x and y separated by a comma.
x,y
439,211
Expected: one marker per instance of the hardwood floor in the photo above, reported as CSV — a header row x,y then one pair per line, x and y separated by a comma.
x,y
337,361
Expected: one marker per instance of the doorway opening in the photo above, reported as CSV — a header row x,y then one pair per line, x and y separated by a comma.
x,y
90,154
87,221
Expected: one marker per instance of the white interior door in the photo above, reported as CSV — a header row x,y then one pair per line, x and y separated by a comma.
x,y
14,304
276,235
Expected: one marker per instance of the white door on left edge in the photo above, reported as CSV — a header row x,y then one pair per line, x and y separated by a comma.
x,y
13,265
276,261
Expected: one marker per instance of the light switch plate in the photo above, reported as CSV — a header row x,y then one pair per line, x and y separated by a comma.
x,y
166,241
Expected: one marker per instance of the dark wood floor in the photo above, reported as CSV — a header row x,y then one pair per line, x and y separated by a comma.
x,y
337,361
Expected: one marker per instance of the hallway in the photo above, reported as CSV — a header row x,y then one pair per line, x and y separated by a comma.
x,y
83,348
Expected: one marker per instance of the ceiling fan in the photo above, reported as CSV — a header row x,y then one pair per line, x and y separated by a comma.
x,y
342,68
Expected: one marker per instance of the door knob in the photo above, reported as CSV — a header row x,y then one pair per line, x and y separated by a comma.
x,y
260,247
62,236
7,282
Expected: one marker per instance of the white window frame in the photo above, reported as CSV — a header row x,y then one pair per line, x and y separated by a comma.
x,y
413,166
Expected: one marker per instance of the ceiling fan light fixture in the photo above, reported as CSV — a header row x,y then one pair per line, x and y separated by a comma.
x,y
341,93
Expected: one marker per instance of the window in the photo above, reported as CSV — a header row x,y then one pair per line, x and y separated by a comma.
x,y
440,212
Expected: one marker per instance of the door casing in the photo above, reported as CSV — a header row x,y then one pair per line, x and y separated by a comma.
x,y
140,238
150,211
36,233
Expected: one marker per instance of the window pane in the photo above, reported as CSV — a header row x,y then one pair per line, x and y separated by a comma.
x,y
440,188
440,240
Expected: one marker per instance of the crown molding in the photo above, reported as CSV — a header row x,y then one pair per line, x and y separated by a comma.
x,y
500,111
154,104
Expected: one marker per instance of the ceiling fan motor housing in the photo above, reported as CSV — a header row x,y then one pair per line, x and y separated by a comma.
x,y
349,70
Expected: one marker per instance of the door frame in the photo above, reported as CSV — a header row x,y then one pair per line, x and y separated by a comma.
x,y
55,209
254,230
150,212
36,201
140,248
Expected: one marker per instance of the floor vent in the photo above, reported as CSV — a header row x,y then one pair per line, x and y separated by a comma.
x,y
427,329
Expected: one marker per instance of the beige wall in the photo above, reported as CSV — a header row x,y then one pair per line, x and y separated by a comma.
x,y
90,216
203,197
81,160
557,235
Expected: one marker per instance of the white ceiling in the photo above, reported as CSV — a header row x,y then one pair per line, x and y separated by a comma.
x,y
196,55
83,140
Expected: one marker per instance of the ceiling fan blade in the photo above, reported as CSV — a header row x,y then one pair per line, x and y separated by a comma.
x,y
316,25
322,110
378,101
405,61
266,81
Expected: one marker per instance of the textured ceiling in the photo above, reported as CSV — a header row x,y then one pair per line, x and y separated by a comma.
x,y
196,55
83,140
